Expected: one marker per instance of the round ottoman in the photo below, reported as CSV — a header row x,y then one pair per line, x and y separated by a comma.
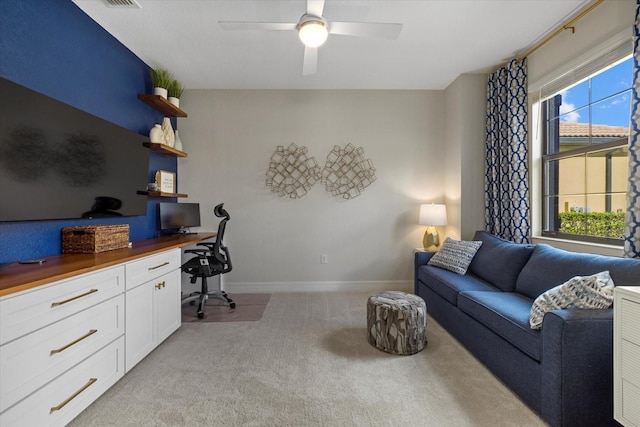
x,y
397,322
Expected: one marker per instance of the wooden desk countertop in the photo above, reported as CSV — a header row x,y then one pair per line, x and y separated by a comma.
x,y
16,277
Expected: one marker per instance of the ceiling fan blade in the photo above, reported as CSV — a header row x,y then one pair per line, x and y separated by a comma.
x,y
310,64
366,29
260,26
315,7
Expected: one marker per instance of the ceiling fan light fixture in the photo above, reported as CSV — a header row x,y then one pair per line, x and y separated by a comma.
x,y
313,33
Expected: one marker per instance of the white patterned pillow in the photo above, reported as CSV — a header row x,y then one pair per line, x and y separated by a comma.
x,y
588,292
455,255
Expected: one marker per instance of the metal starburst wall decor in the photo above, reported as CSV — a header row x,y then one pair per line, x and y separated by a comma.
x,y
292,172
346,173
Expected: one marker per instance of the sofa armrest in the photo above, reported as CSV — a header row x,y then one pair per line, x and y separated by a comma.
x,y
577,367
420,258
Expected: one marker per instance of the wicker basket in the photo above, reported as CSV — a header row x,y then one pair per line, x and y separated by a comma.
x,y
92,239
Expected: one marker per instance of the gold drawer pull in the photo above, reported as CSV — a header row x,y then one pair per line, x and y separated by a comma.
x,y
160,285
57,303
73,396
158,266
61,349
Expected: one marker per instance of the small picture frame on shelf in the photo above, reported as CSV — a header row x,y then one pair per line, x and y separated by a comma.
x,y
166,181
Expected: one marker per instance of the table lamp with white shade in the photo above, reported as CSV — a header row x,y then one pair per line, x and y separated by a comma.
x,y
432,216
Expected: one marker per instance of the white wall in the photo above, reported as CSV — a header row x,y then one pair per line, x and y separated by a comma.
x,y
464,155
230,136
451,155
602,23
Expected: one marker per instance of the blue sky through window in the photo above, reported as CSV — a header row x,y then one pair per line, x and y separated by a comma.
x,y
610,98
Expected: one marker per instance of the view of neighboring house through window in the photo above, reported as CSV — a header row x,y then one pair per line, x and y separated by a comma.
x,y
585,150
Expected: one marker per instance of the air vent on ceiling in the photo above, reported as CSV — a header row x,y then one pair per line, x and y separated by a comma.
x,y
122,3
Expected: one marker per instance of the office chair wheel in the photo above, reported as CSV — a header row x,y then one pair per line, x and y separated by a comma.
x,y
200,315
232,305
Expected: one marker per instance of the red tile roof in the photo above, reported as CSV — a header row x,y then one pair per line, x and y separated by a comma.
x,y
568,129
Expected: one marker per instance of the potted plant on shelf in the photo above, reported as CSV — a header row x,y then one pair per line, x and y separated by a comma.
x,y
175,90
161,79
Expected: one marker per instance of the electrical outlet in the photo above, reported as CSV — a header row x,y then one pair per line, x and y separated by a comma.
x,y
324,259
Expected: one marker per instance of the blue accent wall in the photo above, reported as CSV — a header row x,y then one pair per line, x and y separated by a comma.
x,y
53,47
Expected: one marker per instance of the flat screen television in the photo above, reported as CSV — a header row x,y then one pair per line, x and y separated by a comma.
x,y
178,218
59,162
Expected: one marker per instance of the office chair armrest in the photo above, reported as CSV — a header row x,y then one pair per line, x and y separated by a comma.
x,y
206,244
228,261
218,256
199,252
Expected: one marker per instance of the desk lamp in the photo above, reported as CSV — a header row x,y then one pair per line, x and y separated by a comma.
x,y
432,216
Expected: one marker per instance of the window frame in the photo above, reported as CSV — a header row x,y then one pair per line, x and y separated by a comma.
x,y
546,209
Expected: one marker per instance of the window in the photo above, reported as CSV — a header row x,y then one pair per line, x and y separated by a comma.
x,y
585,155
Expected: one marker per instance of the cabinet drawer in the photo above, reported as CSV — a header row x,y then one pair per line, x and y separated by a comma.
x,y
629,320
29,362
630,362
631,402
61,400
151,267
39,307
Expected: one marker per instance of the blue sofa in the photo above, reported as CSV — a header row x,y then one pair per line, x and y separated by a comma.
x,y
563,371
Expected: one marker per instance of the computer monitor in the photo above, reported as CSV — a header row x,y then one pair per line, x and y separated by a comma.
x,y
177,218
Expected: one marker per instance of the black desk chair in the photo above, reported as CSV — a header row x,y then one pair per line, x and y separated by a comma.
x,y
212,261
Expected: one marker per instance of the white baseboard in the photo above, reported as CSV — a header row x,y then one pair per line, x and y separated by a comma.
x,y
372,286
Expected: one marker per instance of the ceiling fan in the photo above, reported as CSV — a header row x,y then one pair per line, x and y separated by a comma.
x,y
313,30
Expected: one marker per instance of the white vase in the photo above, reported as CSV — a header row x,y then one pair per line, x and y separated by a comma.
x,y
175,101
178,143
169,136
160,91
156,135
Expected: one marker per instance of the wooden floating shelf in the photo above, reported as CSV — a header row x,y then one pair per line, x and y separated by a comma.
x,y
161,194
162,105
165,150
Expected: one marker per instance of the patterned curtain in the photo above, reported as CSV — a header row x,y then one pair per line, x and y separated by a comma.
x,y
507,211
632,218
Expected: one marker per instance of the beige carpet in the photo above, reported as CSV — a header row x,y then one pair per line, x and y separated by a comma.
x,y
249,308
307,362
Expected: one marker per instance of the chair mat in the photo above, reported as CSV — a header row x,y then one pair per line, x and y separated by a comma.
x,y
249,308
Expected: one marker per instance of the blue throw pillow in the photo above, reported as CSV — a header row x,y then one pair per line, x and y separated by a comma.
x,y
499,261
455,255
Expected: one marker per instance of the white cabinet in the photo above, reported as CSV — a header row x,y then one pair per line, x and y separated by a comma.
x,y
166,302
29,310
152,303
64,343
61,400
139,325
626,354
54,339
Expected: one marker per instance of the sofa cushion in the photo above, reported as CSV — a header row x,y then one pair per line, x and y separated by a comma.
x,y
455,255
584,292
549,267
506,314
448,284
499,261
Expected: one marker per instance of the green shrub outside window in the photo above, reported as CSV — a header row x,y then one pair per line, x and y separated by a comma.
x,y
604,224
